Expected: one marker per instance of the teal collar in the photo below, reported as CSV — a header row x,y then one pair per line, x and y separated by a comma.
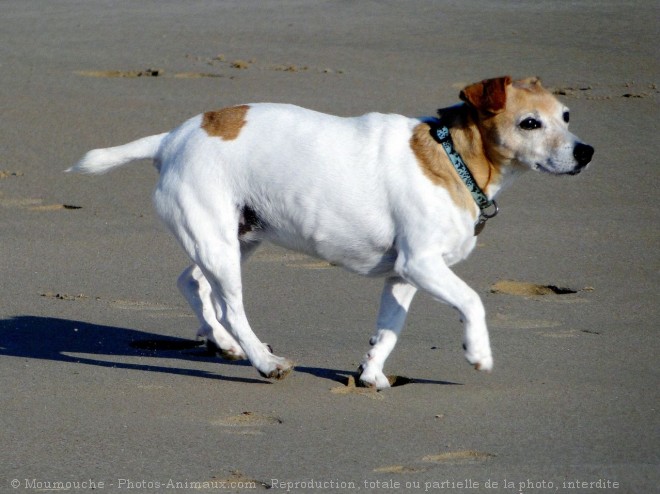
x,y
440,133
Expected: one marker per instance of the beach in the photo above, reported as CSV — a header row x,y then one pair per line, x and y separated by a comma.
x,y
105,386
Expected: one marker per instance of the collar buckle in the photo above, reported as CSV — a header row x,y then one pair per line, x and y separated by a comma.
x,y
493,214
483,217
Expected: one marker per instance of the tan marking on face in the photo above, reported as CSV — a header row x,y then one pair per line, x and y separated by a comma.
x,y
530,94
501,136
226,123
435,164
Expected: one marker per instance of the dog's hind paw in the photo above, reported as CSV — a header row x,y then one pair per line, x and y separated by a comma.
x,y
484,364
279,369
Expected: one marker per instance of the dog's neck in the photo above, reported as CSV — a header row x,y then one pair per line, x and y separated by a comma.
x,y
489,175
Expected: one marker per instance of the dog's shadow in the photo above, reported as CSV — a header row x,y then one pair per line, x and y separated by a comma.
x,y
78,342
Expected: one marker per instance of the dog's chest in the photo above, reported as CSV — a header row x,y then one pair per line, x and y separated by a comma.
x,y
461,251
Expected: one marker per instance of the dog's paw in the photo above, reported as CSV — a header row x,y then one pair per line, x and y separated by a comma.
x,y
482,361
372,378
278,368
484,365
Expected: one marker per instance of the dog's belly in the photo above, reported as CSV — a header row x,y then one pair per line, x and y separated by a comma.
x,y
365,253
367,263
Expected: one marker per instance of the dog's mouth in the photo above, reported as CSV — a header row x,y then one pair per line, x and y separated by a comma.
x,y
544,169
580,158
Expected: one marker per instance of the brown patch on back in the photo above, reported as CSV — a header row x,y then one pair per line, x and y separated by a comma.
x,y
226,123
436,166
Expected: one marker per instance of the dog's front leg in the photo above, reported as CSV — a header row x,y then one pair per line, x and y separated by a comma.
x,y
394,303
430,273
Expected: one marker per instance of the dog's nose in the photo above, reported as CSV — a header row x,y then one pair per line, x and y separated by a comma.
x,y
582,154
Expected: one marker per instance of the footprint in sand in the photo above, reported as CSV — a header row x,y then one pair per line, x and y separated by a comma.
x,y
54,207
120,73
634,90
353,387
63,296
19,202
464,456
458,456
9,174
551,293
33,204
399,469
235,65
246,423
506,321
139,305
525,289
148,73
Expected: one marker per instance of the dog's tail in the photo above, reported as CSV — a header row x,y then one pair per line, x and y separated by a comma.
x,y
100,161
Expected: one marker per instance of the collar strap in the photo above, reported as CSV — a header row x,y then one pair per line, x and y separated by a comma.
x,y
440,133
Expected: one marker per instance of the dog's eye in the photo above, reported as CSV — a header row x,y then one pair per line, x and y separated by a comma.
x,y
566,116
530,124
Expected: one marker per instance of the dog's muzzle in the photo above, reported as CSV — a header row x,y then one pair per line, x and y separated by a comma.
x,y
582,154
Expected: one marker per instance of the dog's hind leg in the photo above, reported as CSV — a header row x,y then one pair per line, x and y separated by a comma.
x,y
197,291
221,266
395,301
208,232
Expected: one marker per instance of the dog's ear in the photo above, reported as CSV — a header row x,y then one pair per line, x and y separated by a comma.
x,y
488,96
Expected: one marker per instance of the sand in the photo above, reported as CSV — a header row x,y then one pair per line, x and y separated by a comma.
x,y
103,385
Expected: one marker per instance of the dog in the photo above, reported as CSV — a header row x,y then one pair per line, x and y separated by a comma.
x,y
381,195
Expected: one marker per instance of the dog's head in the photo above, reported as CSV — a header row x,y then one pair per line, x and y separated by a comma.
x,y
525,125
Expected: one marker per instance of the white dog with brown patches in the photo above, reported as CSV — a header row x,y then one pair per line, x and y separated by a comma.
x,y
381,195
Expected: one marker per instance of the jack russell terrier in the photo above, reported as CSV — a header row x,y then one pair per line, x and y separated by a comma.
x,y
381,195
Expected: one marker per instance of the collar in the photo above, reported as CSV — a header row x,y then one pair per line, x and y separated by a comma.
x,y
440,132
